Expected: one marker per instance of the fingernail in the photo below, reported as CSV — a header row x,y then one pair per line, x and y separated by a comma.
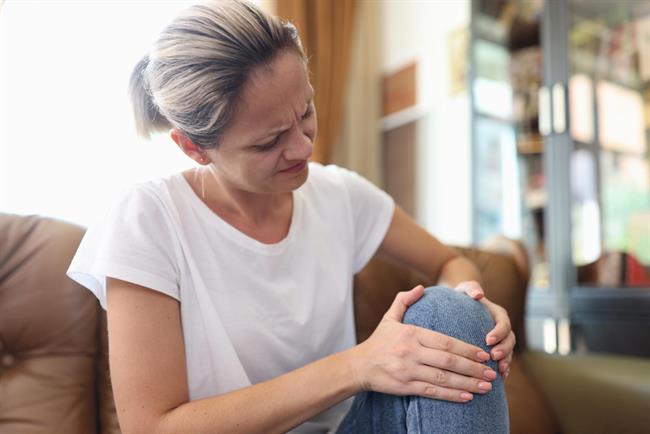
x,y
483,356
497,354
490,374
507,373
474,293
466,396
491,340
484,386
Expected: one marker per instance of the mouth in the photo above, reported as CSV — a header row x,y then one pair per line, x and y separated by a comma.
x,y
295,168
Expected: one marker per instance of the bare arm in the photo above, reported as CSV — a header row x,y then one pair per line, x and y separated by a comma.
x,y
147,361
148,371
413,247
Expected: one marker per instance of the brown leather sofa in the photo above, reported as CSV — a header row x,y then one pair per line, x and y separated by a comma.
x,y
53,365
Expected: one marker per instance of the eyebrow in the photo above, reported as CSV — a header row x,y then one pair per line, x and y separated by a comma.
x,y
282,129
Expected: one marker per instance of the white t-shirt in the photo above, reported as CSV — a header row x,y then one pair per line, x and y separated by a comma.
x,y
249,311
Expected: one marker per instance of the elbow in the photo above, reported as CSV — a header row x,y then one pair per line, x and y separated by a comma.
x,y
439,274
458,269
148,416
145,424
168,422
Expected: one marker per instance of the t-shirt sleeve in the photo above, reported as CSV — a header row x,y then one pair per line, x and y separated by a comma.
x,y
372,213
134,242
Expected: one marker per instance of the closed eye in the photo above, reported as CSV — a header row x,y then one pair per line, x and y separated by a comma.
x,y
309,112
267,146
270,145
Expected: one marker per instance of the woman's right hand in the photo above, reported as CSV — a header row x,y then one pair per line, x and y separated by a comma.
x,y
402,359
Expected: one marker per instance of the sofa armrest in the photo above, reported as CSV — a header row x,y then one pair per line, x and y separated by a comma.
x,y
594,393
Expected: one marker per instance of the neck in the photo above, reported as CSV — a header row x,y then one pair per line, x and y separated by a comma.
x,y
255,208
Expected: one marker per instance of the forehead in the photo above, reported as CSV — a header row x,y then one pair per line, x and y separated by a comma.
x,y
272,97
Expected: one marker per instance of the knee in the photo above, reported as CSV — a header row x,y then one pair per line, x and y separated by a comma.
x,y
452,313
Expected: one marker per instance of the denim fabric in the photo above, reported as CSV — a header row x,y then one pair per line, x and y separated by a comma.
x,y
454,314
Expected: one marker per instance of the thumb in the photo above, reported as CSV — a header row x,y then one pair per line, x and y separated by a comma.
x,y
402,301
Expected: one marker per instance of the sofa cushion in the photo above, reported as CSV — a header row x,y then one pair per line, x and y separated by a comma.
x,y
595,393
529,411
48,327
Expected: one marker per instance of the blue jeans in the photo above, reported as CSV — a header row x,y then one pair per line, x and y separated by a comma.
x,y
454,314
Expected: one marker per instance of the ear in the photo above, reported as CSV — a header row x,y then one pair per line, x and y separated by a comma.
x,y
188,147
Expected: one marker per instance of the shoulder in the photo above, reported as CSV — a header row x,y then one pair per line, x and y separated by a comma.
x,y
324,191
343,179
147,198
330,175
156,190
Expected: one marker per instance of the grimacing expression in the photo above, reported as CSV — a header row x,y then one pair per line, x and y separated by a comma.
x,y
266,147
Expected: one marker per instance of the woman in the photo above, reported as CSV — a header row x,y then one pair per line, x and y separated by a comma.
x,y
229,288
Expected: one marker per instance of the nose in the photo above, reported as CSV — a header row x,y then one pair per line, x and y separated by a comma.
x,y
299,146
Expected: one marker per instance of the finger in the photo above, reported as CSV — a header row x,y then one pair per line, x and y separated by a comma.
x,y
498,333
471,288
432,391
502,321
439,341
505,364
440,377
451,362
504,348
506,374
402,301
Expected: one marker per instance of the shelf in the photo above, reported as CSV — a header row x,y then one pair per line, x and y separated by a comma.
x,y
403,117
493,118
584,62
617,302
515,31
530,147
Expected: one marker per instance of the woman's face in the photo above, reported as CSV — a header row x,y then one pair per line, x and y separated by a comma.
x,y
270,139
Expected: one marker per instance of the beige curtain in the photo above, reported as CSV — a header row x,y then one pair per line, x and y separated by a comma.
x,y
359,146
326,28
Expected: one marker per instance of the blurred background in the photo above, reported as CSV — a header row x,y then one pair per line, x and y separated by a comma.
x,y
529,119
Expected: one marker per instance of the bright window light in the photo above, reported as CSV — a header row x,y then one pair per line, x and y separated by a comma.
x,y
68,146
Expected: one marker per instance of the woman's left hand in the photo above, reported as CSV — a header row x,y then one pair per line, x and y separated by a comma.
x,y
501,336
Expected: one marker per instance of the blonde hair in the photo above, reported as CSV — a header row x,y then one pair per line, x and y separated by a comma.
x,y
195,73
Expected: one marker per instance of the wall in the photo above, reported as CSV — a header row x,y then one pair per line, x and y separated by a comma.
x,y
419,30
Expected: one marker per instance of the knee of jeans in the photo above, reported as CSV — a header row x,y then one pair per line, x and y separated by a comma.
x,y
452,313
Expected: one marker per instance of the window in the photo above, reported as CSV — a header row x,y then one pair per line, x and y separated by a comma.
x,y
67,140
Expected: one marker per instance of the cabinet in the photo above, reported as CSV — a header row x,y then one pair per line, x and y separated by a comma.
x,y
560,93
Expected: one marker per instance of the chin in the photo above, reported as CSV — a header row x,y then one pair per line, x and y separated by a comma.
x,y
294,182
301,178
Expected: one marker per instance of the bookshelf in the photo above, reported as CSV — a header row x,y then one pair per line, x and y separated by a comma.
x,y
560,94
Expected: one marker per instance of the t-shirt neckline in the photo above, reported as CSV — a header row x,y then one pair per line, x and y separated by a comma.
x,y
235,234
